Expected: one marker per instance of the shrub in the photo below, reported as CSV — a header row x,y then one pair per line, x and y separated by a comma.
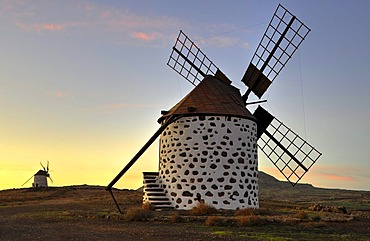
x,y
301,215
176,218
137,214
316,218
203,209
245,212
250,220
148,206
218,221
252,211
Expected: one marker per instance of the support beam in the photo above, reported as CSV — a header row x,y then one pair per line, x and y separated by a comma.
x,y
141,151
137,156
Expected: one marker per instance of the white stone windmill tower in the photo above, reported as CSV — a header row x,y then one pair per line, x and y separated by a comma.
x,y
208,141
40,178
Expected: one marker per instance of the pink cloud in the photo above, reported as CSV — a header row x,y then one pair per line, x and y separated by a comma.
x,y
58,94
49,27
144,36
338,177
39,27
125,19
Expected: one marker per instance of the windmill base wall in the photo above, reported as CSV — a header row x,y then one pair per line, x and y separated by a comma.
x,y
210,159
40,181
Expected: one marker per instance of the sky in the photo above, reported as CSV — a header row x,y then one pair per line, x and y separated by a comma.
x,y
83,83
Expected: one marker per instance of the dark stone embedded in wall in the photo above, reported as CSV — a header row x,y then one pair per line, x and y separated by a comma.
x,y
209,194
187,194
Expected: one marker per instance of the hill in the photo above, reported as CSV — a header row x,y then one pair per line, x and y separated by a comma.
x,y
273,189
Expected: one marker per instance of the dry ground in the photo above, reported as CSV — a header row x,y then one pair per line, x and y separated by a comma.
x,y
88,213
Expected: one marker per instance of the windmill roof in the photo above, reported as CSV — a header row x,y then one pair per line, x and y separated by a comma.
x,y
211,97
42,173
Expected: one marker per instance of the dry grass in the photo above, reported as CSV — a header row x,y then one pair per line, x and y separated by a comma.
x,y
252,211
147,206
203,209
137,214
176,218
246,212
218,221
302,215
252,220
316,218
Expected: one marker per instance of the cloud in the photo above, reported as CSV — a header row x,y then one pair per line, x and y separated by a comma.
x,y
246,45
321,173
128,27
116,25
338,177
123,19
144,36
56,94
344,176
6,6
51,27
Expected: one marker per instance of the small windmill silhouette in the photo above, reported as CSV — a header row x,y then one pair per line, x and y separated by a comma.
x,y
40,177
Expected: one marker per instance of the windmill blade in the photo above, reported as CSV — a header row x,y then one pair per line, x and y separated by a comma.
x,y
47,166
283,36
43,166
292,155
191,63
50,178
27,181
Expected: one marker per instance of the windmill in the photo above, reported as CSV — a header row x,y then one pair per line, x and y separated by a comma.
x,y
40,177
209,140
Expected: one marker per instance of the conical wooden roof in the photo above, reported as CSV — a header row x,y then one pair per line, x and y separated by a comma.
x,y
212,97
42,173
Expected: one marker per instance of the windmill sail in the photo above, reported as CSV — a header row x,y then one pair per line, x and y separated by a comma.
x,y
191,63
292,155
281,39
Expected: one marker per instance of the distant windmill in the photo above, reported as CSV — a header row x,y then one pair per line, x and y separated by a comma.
x,y
209,140
40,178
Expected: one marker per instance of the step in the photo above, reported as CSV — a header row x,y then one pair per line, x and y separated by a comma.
x,y
156,194
153,192
150,177
162,199
150,173
150,181
153,189
162,203
151,186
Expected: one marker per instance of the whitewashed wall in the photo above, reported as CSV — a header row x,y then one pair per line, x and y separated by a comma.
x,y
212,159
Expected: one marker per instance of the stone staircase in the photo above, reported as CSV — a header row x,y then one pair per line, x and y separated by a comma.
x,y
153,193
